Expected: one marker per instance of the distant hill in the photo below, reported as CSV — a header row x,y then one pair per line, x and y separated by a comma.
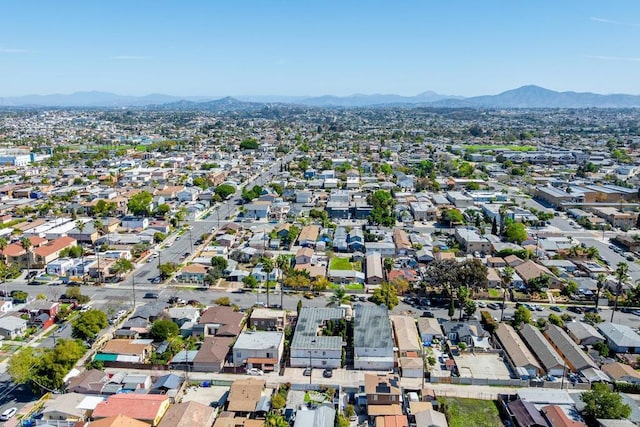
x,y
538,97
524,97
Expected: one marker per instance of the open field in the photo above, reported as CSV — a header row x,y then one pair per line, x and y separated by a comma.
x,y
470,412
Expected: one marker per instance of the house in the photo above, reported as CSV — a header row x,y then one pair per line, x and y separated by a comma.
x,y
530,270
181,315
259,349
118,421
261,275
265,319
402,242
90,381
470,332
135,222
571,352
471,241
429,329
374,269
149,408
212,354
12,327
309,235
188,414
383,394
125,350
65,407
43,255
322,416
372,339
244,395
431,418
516,353
525,414
620,372
620,338
557,417
166,384
309,347
549,358
193,273
219,321
406,334
583,333
304,255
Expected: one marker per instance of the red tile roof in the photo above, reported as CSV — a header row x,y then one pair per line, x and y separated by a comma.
x,y
138,406
55,246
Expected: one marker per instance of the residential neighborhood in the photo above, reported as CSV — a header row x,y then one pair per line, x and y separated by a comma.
x,y
321,268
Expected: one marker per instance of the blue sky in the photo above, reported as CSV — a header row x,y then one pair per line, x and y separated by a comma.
x,y
309,47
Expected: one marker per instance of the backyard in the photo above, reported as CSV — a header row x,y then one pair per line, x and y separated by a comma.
x,y
470,412
344,264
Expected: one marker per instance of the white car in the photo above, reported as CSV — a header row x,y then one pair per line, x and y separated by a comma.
x,y
8,414
255,372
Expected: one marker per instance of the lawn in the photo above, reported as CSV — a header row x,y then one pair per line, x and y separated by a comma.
x,y
474,148
349,287
494,293
470,412
340,264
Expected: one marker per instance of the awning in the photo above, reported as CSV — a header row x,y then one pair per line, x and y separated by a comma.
x,y
262,360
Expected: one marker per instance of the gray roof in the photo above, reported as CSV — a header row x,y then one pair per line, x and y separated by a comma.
x,y
323,416
583,331
308,324
620,335
12,322
372,327
540,347
259,340
568,348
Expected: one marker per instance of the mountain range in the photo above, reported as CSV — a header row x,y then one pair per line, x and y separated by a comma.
x,y
523,97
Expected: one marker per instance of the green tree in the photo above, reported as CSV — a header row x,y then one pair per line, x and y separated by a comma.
x,y
249,144
520,316
516,232
278,401
602,402
385,294
162,329
469,308
20,364
74,292
602,348
570,288
600,282
592,318
554,319
452,217
139,203
167,269
339,297
224,190
250,282
226,301
163,209
382,212
122,266
159,237
88,324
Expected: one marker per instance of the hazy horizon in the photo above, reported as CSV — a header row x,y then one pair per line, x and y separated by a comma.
x,y
250,48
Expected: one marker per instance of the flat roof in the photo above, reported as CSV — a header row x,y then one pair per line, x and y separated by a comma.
x,y
372,327
309,324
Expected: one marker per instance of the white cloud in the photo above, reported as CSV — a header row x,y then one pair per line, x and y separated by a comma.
x,y
613,22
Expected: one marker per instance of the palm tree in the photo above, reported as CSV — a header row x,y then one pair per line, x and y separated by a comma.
x,y
267,267
622,271
339,297
26,245
506,277
592,252
3,245
284,263
98,225
600,281
80,225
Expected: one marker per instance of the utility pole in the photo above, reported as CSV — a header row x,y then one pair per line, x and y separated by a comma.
x,y
133,287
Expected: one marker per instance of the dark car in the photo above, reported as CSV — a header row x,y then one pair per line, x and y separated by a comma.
x,y
575,309
428,314
32,274
307,372
327,373
153,295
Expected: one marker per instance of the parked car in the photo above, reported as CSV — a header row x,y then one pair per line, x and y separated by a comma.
x,y
255,372
7,414
493,306
555,308
427,314
327,373
307,372
153,295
